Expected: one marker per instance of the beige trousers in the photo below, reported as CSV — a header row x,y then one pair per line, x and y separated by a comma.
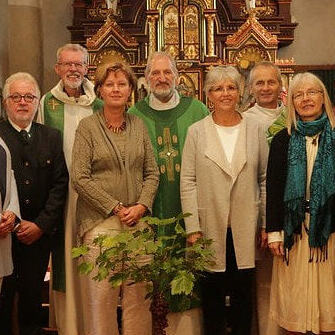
x,y
100,300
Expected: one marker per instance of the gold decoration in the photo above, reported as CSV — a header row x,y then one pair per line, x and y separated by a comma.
x,y
210,34
177,167
109,27
171,30
250,55
52,103
162,168
168,154
174,139
160,140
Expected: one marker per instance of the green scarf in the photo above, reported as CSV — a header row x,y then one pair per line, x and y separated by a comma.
x,y
322,186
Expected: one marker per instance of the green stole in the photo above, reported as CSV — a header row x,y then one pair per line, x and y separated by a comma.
x,y
54,111
54,117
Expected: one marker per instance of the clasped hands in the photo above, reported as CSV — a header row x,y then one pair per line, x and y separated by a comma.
x,y
27,233
130,215
7,223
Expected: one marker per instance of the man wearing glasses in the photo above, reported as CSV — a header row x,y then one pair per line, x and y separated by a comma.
x,y
41,175
71,100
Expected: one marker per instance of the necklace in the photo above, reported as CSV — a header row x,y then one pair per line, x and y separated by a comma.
x,y
117,129
315,139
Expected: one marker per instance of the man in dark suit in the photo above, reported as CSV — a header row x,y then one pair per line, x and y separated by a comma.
x,y
42,180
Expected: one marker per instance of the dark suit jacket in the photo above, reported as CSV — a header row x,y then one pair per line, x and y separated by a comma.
x,y
41,174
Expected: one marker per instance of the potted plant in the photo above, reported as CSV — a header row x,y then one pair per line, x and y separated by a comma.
x,y
172,270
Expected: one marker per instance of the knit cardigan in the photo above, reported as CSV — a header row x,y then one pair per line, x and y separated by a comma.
x,y
100,176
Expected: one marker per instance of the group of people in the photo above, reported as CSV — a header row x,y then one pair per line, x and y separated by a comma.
x,y
92,166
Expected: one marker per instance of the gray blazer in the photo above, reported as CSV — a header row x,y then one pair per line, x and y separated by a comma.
x,y
102,179
218,193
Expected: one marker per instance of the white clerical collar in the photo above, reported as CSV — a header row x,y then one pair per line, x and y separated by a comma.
x,y
156,104
17,128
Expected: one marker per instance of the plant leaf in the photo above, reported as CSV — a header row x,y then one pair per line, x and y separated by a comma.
x,y
80,251
85,267
182,283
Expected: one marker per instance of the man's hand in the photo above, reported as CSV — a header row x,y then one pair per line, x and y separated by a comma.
x,y
29,232
7,223
192,238
277,248
132,214
263,239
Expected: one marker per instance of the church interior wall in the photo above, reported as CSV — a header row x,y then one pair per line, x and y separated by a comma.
x,y
30,44
314,37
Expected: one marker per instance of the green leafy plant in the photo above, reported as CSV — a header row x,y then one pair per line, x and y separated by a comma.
x,y
171,267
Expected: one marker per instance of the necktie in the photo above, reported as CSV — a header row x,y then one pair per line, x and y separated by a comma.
x,y
25,136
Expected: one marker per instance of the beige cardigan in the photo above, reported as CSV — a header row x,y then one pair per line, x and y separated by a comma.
x,y
216,192
102,179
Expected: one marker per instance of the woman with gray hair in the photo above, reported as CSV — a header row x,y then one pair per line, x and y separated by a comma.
x,y
223,187
301,211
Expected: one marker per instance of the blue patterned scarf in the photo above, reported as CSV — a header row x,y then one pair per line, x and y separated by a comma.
x,y
322,186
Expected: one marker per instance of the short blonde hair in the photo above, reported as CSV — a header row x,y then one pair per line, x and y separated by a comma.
x,y
22,76
219,73
298,80
103,71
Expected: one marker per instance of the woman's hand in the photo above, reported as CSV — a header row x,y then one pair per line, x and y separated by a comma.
x,y
192,238
277,248
7,223
263,239
130,215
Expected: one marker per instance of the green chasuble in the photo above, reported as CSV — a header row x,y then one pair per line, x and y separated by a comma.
x,y
167,130
53,115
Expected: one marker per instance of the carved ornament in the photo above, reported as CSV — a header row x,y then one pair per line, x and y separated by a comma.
x,y
252,26
111,28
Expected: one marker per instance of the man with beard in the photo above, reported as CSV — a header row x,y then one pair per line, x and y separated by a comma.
x,y
167,116
265,85
71,100
42,178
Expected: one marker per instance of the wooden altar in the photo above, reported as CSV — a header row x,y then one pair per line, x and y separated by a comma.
x,y
197,33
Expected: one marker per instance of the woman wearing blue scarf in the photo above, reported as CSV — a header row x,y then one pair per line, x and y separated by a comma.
x,y
301,211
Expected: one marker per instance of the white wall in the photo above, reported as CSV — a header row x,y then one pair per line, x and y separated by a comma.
x,y
314,39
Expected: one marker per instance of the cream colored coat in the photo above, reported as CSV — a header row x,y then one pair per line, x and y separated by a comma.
x,y
217,192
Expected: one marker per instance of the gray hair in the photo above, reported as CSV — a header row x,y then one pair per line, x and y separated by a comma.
x,y
160,54
73,47
220,73
297,81
24,76
268,65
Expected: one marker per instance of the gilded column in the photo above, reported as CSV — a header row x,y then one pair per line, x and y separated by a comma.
x,y
210,35
152,21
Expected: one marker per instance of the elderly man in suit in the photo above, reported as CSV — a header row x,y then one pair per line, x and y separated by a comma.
x,y
41,175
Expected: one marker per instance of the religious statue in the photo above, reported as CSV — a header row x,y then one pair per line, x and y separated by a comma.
x,y
251,4
112,5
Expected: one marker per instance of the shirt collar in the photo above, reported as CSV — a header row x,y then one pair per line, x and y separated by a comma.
x,y
156,104
17,128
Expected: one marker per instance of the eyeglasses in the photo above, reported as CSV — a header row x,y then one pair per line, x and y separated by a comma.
x,y
16,97
68,65
220,89
309,94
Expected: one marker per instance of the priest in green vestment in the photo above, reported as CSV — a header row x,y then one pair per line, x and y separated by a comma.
x,y
167,114
71,100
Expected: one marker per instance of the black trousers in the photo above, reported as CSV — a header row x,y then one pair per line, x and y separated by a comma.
x,y
30,265
216,286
